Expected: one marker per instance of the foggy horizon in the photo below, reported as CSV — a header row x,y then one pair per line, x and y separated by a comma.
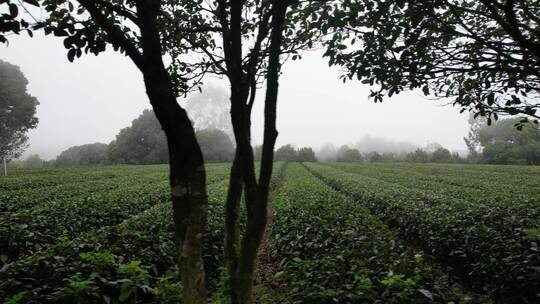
x,y
98,96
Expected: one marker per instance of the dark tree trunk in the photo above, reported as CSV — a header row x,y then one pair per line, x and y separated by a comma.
x,y
188,188
241,261
232,224
187,171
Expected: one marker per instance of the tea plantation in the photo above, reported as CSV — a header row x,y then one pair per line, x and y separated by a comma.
x,y
339,233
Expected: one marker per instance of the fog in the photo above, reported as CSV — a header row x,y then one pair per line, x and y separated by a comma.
x,y
92,99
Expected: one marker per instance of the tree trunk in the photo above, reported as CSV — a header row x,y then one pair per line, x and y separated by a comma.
x,y
242,271
187,172
188,185
232,225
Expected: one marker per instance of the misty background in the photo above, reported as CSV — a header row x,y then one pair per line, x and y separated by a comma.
x,y
90,101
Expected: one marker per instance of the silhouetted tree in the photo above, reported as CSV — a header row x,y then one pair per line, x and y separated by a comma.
x,y
90,154
374,157
441,155
285,153
33,161
346,154
418,156
327,153
141,143
211,109
215,145
144,143
306,154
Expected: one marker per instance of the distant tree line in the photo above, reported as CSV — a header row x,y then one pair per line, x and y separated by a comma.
x,y
289,153
505,141
143,142
431,153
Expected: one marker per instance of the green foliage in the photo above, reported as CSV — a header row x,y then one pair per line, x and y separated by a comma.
x,y
358,261
483,54
132,260
89,154
136,278
441,155
503,143
215,145
481,235
512,154
374,157
285,153
32,229
504,131
346,154
16,298
306,154
168,289
77,290
17,108
143,142
418,156
480,219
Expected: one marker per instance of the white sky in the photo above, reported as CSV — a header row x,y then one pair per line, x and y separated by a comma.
x,y
92,99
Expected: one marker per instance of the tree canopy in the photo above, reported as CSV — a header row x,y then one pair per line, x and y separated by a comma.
x,y
285,153
306,154
17,111
483,54
418,156
144,142
210,109
441,155
89,154
501,143
141,143
216,145
347,154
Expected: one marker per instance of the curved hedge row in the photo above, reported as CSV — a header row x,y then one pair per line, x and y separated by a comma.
x,y
478,185
16,199
30,230
128,262
494,246
330,249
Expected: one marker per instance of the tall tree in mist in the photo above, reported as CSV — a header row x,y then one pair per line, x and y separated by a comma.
x,y
211,109
17,111
89,154
142,142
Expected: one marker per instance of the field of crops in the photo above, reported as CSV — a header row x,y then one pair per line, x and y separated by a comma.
x,y
339,233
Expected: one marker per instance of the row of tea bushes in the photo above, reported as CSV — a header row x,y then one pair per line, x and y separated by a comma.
x,y
485,185
131,262
330,249
493,246
30,230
